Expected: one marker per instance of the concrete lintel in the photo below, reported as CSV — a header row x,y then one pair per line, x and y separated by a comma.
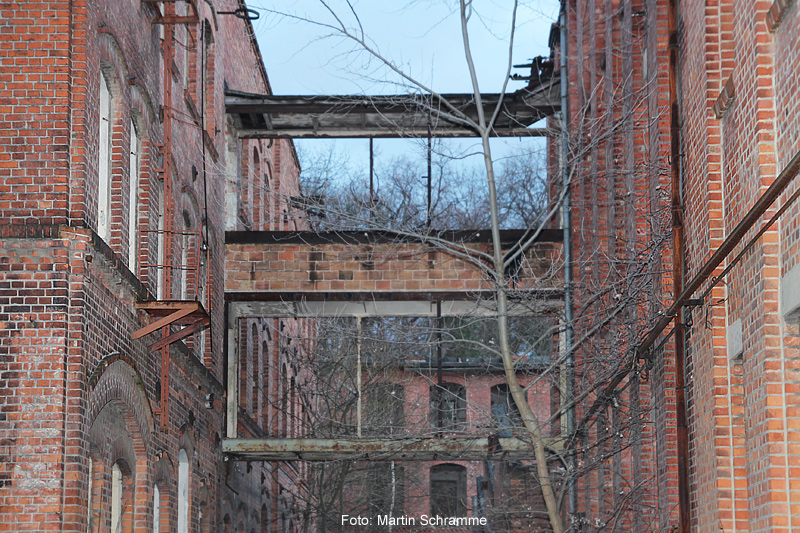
x,y
410,449
392,308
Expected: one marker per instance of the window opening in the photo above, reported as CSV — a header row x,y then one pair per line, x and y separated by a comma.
x,y
183,492
104,162
133,234
116,499
504,410
448,490
448,406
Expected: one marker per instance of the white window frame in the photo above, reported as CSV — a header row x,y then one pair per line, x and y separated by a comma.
x,y
133,196
116,499
104,162
183,491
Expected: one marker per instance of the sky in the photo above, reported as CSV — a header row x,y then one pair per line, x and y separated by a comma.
x,y
421,37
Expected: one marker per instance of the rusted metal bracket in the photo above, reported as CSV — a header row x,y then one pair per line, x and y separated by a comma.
x,y
176,19
178,335
172,312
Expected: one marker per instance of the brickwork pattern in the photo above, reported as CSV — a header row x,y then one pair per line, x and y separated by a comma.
x,y
77,395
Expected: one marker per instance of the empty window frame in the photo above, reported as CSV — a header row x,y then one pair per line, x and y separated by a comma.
x,y
448,406
448,494
505,413
384,409
385,489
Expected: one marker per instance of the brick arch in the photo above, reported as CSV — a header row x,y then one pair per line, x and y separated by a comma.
x,y
142,111
162,471
120,383
186,440
112,62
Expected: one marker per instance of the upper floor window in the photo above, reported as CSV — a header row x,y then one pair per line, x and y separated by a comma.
x,y
385,409
133,213
104,162
448,406
504,410
208,79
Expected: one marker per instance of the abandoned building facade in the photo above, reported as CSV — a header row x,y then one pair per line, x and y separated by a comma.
x,y
136,336
116,158
684,131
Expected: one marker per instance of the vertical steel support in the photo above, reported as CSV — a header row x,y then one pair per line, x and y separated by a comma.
x,y
166,154
566,219
232,399
684,505
358,376
430,177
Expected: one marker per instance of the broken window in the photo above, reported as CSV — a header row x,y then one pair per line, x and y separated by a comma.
x,y
385,489
504,411
384,407
448,490
448,406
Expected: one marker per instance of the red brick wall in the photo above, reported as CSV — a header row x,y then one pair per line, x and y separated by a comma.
x,y
67,298
740,409
383,267
619,157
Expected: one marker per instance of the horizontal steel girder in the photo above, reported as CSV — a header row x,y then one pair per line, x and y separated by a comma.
x,y
367,449
310,305
354,116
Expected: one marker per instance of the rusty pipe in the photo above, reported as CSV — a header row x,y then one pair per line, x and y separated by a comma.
x,y
759,208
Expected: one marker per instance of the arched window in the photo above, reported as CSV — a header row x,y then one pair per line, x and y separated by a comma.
x,y
104,162
208,79
183,492
448,406
284,396
255,183
448,490
186,240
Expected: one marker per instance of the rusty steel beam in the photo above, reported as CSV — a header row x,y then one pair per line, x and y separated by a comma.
x,y
178,313
198,324
373,449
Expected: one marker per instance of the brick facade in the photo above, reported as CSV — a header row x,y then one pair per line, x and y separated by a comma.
x,y
737,104
80,401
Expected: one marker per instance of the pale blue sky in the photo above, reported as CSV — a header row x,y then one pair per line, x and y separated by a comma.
x,y
423,37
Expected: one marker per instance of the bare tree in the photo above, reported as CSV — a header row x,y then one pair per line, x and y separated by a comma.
x,y
516,192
